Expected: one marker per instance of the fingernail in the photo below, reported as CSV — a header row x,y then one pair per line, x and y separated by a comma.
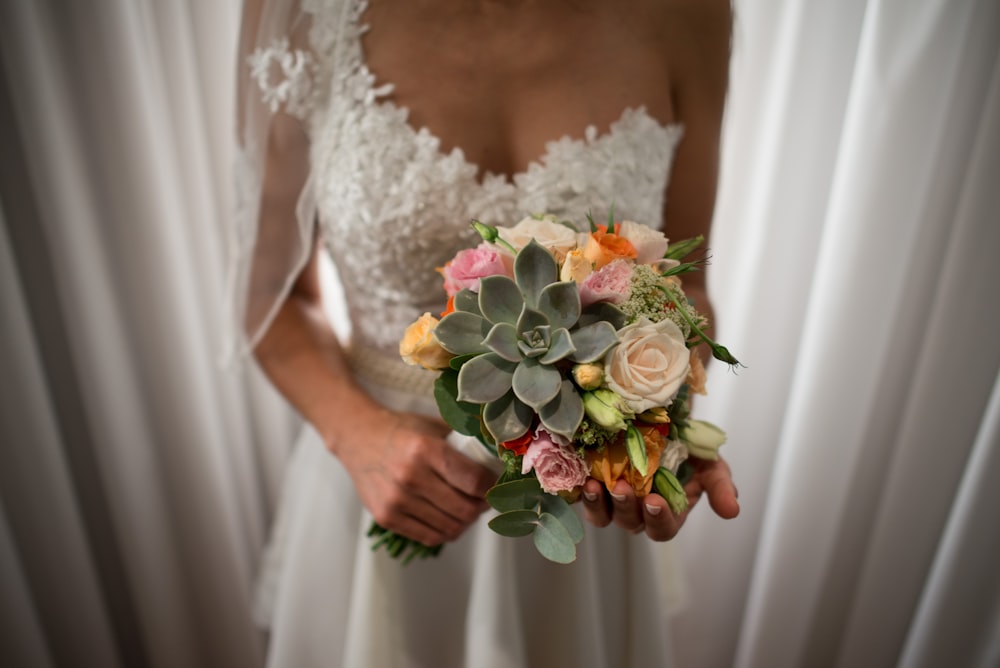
x,y
618,497
590,496
653,510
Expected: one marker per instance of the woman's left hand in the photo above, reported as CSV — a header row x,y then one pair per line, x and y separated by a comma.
x,y
651,514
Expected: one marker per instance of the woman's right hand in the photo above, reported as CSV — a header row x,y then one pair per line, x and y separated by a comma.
x,y
410,479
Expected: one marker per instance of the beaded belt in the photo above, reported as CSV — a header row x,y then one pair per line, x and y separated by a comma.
x,y
390,371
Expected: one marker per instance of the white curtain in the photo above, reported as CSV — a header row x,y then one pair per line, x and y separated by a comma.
x,y
136,474
854,272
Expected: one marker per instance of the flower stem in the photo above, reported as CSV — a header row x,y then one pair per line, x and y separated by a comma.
x,y
719,351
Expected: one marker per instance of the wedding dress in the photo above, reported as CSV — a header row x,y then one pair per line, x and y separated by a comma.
x,y
393,206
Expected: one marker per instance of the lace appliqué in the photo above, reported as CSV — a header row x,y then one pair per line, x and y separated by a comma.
x,y
283,75
393,204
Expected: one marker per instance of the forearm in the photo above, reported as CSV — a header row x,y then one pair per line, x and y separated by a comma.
x,y
304,360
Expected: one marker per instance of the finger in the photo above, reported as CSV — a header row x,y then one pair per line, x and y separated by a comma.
x,y
717,479
464,474
625,507
596,508
661,523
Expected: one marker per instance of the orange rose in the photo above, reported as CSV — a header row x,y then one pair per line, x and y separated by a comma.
x,y
613,463
604,247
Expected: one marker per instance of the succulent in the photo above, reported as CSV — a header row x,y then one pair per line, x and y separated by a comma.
x,y
512,340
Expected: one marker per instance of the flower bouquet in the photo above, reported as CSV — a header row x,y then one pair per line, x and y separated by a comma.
x,y
568,355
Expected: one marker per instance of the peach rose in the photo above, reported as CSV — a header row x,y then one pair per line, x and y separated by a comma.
x,y
420,348
650,245
648,365
554,236
575,267
696,376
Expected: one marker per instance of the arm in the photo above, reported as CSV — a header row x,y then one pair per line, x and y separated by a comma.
x,y
699,57
405,474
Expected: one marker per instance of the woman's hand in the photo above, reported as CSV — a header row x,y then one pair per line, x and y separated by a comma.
x,y
651,514
411,480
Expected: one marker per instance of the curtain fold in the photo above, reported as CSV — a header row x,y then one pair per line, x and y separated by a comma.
x,y
855,273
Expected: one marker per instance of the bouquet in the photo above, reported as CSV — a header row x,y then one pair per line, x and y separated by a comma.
x,y
568,355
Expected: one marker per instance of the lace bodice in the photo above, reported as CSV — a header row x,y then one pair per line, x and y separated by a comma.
x,y
393,205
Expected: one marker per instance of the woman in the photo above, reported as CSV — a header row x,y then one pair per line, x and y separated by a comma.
x,y
392,125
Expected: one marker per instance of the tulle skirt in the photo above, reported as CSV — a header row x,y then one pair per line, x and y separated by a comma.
x,y
486,601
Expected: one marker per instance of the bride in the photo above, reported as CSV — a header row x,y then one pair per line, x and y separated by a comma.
x,y
374,132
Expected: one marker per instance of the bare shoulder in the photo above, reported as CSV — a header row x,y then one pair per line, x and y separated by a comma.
x,y
697,37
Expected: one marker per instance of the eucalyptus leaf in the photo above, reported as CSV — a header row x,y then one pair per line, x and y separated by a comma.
x,y
462,333
515,523
503,341
558,507
507,418
552,540
500,299
485,378
564,413
523,494
534,269
461,416
561,303
536,384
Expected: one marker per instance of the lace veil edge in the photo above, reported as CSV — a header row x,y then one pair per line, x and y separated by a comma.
x,y
283,72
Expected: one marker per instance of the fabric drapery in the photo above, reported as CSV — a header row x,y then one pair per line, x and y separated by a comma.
x,y
854,272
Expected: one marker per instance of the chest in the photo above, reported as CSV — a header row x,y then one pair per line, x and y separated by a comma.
x,y
500,82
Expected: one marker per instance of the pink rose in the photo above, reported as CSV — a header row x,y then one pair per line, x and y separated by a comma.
x,y
557,465
471,264
611,283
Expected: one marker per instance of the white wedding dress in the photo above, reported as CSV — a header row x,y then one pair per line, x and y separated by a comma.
x,y
393,207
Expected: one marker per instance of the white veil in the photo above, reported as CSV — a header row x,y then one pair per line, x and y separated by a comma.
x,y
284,72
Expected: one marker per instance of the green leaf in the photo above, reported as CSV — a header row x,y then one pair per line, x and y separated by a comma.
x,y
553,541
485,378
560,302
563,414
669,487
502,340
536,384
515,523
461,416
635,446
534,269
558,507
462,333
560,347
500,299
681,249
507,418
458,361
523,494
593,341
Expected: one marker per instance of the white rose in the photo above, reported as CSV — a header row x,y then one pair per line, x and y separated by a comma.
x,y
552,235
649,244
649,364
